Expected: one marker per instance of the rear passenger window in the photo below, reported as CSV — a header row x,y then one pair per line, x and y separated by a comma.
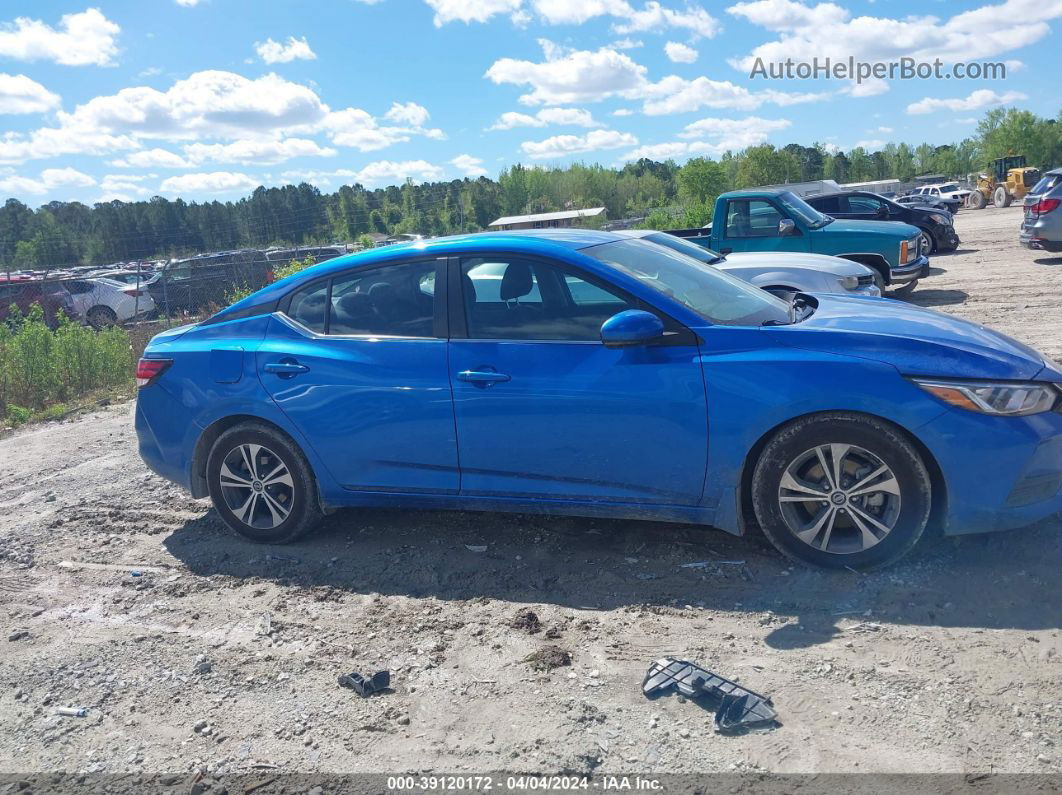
x,y
309,306
390,301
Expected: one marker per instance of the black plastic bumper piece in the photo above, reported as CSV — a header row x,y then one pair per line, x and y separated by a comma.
x,y
739,708
377,683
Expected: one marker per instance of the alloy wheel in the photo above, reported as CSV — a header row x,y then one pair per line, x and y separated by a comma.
x,y
257,486
839,498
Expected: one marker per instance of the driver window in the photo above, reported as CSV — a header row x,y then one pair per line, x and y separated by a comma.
x,y
752,218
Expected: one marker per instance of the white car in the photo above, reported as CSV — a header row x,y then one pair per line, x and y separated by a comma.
x,y
781,273
105,302
949,191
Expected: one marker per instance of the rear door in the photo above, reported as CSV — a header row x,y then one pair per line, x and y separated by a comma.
x,y
545,410
358,362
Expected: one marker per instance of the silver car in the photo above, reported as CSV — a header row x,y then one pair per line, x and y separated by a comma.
x,y
1041,228
781,273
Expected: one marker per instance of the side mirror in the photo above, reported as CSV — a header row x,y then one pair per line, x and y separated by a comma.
x,y
632,327
883,211
786,227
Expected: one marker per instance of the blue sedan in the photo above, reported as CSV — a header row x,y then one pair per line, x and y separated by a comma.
x,y
586,373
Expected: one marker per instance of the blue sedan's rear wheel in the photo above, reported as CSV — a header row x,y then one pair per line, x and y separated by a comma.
x,y
261,484
841,490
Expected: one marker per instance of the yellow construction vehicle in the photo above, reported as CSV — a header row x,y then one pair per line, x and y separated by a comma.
x,y
1011,180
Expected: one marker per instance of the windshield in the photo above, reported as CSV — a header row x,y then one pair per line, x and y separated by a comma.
x,y
799,208
683,246
716,296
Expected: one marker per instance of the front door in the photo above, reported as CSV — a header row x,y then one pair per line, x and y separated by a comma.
x,y
752,225
359,363
545,410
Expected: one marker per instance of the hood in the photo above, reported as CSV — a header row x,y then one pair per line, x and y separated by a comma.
x,y
834,266
896,230
914,340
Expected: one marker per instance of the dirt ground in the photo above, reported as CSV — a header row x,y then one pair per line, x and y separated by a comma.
x,y
222,655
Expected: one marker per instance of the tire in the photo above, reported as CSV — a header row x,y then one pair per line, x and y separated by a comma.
x,y
101,317
862,444
256,460
1001,198
904,289
926,243
976,200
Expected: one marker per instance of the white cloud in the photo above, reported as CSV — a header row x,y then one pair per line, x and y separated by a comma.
x,y
885,130
209,182
84,39
735,133
627,44
295,49
252,151
872,144
152,158
653,16
19,94
469,166
677,95
212,103
188,3
623,112
390,170
982,98
470,10
826,29
680,53
49,180
48,142
123,187
574,117
562,145
569,77
665,151
357,128
713,136
410,113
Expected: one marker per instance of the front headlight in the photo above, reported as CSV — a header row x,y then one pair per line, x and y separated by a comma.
x,y
849,282
1002,399
914,248
941,219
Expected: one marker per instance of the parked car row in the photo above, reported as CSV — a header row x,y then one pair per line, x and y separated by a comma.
x,y
99,301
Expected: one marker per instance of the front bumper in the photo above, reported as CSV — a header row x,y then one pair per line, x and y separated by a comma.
x,y
999,472
946,237
917,269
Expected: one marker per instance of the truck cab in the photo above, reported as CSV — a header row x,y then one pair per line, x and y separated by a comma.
x,y
776,219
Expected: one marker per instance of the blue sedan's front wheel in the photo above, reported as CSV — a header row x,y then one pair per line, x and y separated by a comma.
x,y
841,490
261,484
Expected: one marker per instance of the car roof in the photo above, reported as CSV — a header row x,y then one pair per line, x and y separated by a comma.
x,y
542,242
754,192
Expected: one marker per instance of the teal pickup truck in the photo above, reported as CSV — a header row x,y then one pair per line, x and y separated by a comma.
x,y
776,219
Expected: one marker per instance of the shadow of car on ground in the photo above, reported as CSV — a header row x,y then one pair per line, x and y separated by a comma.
x,y
930,297
1003,580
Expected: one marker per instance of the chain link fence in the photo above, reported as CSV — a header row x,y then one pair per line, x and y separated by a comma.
x,y
146,298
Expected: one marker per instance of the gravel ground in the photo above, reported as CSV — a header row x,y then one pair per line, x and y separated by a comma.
x,y
223,655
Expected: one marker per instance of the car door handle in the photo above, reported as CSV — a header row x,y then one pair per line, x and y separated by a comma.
x,y
482,377
286,368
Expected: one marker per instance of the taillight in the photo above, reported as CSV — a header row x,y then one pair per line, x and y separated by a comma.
x,y
1044,206
147,370
134,293
270,276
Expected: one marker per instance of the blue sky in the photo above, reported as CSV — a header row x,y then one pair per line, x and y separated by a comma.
x,y
206,99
